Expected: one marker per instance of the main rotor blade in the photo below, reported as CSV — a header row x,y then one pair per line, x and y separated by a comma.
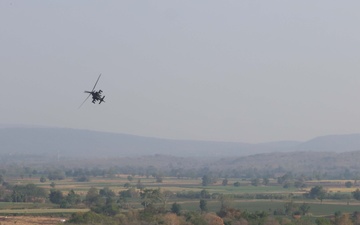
x,y
96,83
84,101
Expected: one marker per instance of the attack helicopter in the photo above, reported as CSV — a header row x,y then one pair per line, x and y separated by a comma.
x,y
96,95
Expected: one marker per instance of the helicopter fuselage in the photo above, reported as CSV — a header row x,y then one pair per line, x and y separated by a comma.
x,y
96,96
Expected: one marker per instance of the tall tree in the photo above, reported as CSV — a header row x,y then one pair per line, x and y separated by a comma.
x,y
72,198
206,180
290,208
107,193
304,208
204,194
176,208
255,182
225,182
224,201
317,192
56,196
203,205
139,185
92,196
28,193
356,194
265,181
149,197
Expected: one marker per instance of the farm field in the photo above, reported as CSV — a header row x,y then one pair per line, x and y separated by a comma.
x,y
174,185
316,208
40,211
30,220
171,184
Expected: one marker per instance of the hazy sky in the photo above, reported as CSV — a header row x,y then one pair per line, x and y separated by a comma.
x,y
249,71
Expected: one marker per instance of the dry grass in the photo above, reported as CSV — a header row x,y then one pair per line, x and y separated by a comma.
x,y
40,211
343,190
30,220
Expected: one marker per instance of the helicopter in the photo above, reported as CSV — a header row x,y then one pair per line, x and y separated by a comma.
x,y
96,95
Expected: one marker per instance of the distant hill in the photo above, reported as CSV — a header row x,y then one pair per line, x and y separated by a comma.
x,y
335,143
88,144
334,165
85,143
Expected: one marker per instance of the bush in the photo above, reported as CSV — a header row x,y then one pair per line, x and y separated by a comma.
x,y
176,208
56,196
42,179
82,179
90,218
348,184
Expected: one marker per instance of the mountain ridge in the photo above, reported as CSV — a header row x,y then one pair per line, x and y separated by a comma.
x,y
69,142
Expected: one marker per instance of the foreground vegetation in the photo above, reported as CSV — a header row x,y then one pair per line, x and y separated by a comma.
x,y
128,199
181,194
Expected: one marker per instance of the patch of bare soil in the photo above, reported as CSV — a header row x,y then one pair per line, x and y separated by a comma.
x,y
30,220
